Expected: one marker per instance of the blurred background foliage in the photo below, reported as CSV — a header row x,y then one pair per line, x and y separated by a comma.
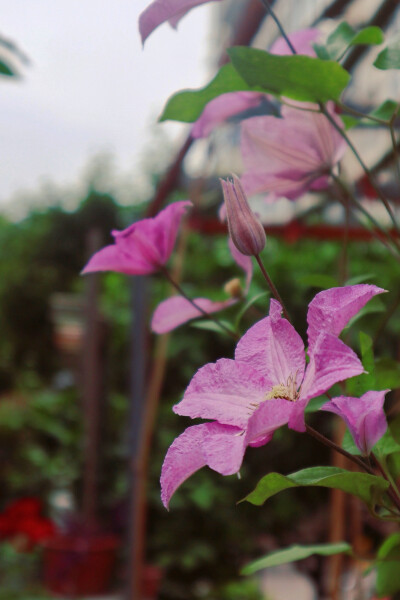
x,y
206,537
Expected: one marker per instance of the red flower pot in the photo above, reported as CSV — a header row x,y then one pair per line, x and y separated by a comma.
x,y
75,565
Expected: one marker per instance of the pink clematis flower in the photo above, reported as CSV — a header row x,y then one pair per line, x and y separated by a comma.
x,y
290,155
364,417
266,386
175,311
228,105
143,247
160,11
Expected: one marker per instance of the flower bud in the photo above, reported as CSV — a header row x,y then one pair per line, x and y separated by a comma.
x,y
245,229
233,288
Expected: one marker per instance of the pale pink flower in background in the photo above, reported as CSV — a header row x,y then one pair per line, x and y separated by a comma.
x,y
364,417
290,155
143,247
177,310
228,105
160,11
266,386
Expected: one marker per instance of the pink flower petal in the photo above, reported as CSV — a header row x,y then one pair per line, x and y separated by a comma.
x,y
111,258
221,108
332,309
224,448
176,311
331,361
274,348
364,417
144,246
270,415
184,457
302,41
312,147
160,11
221,447
227,391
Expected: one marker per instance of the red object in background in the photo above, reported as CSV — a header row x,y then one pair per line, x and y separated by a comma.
x,y
75,565
21,521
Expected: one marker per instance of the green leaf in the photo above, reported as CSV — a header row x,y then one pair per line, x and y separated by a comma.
x,y
316,403
298,77
318,280
296,552
387,566
6,70
360,279
384,447
375,305
368,488
344,36
188,105
389,58
250,303
357,386
386,110
213,326
387,374
349,122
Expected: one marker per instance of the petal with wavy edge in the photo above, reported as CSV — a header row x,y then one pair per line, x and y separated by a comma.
x,y
111,258
274,348
227,391
332,361
176,311
144,246
364,417
332,309
160,11
184,457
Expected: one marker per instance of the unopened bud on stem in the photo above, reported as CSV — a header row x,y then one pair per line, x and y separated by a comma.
x,y
245,229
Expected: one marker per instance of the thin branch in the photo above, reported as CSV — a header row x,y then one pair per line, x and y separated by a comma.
x,y
386,240
283,33
197,307
272,287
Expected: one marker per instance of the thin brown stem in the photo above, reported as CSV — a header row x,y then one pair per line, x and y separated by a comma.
x,y
394,142
197,307
392,491
327,442
272,287
357,113
386,240
364,167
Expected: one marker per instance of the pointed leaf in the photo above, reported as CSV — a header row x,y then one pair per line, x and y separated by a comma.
x,y
387,374
6,69
249,304
368,488
296,552
389,58
209,325
344,36
318,280
298,77
188,105
387,567
386,110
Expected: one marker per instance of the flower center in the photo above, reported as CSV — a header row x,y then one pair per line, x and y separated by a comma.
x,y
286,391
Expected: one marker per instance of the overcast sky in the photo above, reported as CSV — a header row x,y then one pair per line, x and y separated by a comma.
x,y
91,88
